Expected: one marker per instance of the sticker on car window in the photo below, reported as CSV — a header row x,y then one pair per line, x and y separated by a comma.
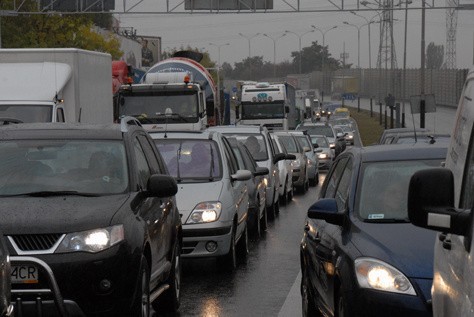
x,y
376,216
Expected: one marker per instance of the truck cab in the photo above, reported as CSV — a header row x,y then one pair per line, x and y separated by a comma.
x,y
442,199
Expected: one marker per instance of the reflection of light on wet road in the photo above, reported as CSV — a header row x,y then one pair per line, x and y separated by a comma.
x,y
210,308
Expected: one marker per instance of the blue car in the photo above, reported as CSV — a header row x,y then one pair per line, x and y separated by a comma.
x,y
360,255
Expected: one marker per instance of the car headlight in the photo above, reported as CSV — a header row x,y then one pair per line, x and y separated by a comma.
x,y
350,136
205,212
92,240
296,163
375,274
323,155
332,145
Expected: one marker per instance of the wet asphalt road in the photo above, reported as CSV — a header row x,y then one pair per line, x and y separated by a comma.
x,y
263,284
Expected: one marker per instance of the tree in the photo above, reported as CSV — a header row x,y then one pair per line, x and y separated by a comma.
x,y
54,31
312,58
434,56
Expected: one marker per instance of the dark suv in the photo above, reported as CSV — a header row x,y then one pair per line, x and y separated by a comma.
x,y
90,218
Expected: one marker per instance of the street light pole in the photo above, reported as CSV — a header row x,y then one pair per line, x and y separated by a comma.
x,y
323,60
218,74
299,38
358,41
248,39
274,50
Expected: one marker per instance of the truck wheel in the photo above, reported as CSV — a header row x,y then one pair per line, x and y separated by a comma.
x,y
170,300
141,306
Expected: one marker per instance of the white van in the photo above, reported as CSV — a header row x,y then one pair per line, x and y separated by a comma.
x,y
442,199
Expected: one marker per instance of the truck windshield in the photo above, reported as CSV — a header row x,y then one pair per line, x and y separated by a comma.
x,y
26,113
171,108
263,110
50,167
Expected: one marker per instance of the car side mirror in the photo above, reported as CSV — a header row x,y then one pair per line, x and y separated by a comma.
x,y
315,145
241,175
431,202
161,186
260,171
290,157
278,157
326,209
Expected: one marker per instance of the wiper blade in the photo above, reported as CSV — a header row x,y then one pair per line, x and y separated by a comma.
x,y
47,193
388,220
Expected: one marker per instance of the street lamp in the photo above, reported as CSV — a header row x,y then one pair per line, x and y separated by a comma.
x,y
218,73
248,39
358,40
299,38
322,53
274,50
369,22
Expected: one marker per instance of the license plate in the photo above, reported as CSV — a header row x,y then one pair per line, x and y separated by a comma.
x,y
24,274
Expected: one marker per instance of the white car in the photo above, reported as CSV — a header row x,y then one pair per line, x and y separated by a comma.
x,y
257,140
212,195
442,199
285,168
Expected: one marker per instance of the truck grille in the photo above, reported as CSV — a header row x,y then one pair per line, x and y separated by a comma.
x,y
36,242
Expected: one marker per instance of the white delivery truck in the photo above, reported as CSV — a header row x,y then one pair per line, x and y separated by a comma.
x,y
55,85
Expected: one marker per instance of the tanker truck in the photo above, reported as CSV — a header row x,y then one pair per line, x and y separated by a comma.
x,y
177,93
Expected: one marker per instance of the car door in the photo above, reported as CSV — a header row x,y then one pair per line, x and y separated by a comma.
x,y
153,211
238,189
326,239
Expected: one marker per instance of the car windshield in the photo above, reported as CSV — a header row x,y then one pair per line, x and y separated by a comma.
x,y
383,187
289,143
318,129
303,141
27,113
262,110
75,166
192,160
321,142
255,143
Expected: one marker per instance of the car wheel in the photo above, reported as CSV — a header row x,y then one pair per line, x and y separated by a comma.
x,y
276,206
170,300
316,180
291,193
228,262
243,246
264,220
255,227
284,197
307,300
141,307
306,186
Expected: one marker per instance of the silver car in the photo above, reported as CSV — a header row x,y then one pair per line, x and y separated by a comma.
x,y
300,164
313,162
257,140
286,173
325,153
212,195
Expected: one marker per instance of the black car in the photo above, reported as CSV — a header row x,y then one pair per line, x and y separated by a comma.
x,y
6,308
90,218
360,255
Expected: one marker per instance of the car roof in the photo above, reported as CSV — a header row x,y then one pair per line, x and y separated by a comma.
x,y
395,152
63,130
238,129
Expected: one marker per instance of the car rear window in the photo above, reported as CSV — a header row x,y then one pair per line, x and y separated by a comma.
x,y
254,142
289,143
319,129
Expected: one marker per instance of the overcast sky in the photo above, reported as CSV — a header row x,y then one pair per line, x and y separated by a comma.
x,y
198,30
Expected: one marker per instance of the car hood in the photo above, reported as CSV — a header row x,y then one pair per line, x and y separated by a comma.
x,y
190,194
402,245
58,214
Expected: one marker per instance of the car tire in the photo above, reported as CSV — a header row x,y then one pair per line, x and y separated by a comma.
x,y
284,197
170,300
264,220
291,193
228,262
243,246
255,225
307,298
141,305
276,206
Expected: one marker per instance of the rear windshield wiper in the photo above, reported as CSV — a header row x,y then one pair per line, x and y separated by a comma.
x,y
388,220
47,193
